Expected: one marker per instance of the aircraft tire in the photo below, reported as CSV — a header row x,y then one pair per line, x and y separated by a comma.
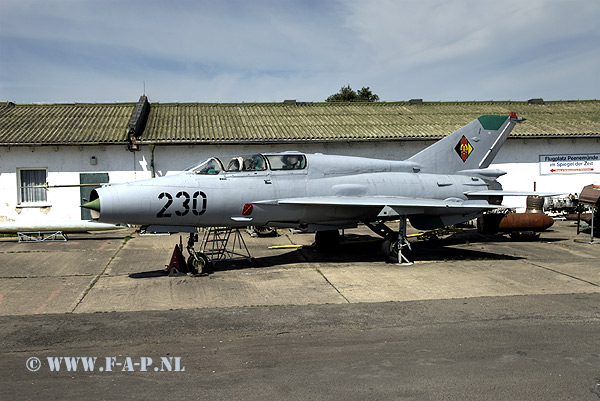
x,y
390,250
204,267
389,247
327,240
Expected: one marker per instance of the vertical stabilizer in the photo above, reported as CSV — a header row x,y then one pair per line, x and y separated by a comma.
x,y
473,146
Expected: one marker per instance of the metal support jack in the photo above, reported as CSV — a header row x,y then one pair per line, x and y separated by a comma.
x,y
402,243
224,243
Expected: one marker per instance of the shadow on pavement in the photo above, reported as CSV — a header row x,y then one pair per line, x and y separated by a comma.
x,y
364,248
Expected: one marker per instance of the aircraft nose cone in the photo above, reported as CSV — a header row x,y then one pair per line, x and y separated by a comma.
x,y
93,205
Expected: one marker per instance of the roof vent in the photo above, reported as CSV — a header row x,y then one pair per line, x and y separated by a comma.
x,y
537,100
295,103
415,101
138,118
137,124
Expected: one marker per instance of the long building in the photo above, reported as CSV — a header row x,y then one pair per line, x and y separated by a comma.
x,y
557,148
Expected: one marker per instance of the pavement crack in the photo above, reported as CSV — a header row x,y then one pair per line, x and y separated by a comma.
x,y
331,284
321,273
564,274
97,277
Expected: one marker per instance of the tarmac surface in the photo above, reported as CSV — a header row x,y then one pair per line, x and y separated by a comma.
x,y
475,317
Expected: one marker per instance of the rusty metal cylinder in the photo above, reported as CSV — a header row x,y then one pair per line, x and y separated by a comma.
x,y
493,223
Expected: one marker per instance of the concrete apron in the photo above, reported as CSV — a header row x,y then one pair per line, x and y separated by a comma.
x,y
115,272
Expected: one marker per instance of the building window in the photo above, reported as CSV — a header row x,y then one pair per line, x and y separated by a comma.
x,y
29,178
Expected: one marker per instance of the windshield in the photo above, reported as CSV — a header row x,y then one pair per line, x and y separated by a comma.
x,y
207,167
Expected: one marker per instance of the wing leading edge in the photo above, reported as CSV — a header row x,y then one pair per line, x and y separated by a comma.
x,y
399,205
492,192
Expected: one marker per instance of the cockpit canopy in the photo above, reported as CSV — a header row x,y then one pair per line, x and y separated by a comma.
x,y
253,162
208,167
287,161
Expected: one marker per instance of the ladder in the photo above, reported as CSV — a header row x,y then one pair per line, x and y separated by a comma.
x,y
224,243
41,236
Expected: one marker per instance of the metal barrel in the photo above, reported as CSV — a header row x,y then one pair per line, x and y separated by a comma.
x,y
535,204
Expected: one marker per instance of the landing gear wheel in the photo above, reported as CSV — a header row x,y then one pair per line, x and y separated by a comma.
x,y
327,240
200,266
389,247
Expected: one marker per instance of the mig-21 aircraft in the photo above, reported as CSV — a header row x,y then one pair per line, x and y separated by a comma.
x,y
447,183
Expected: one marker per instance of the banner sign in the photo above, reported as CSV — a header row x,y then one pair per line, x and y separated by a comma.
x,y
570,164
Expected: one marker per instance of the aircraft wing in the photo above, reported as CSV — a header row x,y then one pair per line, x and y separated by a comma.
x,y
492,192
391,206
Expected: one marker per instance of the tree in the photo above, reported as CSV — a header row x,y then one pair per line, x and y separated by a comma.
x,y
347,94
366,95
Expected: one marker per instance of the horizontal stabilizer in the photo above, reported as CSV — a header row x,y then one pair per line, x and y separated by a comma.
x,y
485,173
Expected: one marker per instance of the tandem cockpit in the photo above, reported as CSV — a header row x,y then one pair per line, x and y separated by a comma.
x,y
249,163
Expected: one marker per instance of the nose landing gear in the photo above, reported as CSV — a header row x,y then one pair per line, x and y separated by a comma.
x,y
197,262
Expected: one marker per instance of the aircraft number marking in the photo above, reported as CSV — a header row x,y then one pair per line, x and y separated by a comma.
x,y
166,206
185,205
195,203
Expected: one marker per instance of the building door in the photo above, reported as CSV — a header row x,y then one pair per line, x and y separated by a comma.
x,y
86,190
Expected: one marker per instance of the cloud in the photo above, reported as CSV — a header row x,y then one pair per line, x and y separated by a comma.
x,y
267,50
463,47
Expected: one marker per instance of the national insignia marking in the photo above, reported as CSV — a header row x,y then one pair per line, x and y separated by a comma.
x,y
463,148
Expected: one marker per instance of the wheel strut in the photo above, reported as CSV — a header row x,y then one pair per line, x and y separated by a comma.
x,y
403,243
197,262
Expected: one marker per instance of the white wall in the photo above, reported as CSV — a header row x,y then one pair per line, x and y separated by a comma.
x,y
64,163
519,158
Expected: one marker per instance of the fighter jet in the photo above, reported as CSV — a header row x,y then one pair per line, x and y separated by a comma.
x,y
447,183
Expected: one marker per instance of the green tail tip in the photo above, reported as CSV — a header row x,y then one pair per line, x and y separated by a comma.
x,y
93,205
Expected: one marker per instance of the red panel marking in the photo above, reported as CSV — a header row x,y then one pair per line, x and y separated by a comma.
x,y
247,209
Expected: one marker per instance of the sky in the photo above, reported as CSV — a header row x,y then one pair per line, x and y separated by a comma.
x,y
96,51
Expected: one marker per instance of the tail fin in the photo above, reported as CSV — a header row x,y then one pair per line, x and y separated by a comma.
x,y
473,146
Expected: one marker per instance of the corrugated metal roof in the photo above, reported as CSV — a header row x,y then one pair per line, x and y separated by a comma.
x,y
278,122
57,124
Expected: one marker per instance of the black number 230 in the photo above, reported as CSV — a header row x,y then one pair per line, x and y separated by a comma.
x,y
198,205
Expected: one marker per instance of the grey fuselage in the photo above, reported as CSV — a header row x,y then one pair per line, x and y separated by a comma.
x,y
205,200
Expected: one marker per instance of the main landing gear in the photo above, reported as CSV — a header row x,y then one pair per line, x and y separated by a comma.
x,y
395,245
